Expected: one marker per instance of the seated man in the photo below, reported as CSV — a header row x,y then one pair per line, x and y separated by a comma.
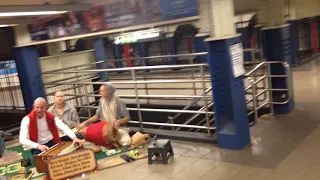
x,y
39,129
65,112
112,109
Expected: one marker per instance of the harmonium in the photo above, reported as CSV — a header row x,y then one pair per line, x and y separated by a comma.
x,y
61,148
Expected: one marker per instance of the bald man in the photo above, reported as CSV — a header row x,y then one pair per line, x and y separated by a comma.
x,y
39,129
64,111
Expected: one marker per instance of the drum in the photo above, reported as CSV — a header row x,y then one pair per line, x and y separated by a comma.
x,y
101,133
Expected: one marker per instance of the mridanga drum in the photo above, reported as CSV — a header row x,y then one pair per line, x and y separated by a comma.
x,y
101,133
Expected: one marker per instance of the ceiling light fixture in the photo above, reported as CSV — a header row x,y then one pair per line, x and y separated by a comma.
x,y
7,25
35,13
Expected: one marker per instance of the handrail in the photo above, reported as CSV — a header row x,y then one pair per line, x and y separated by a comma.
x,y
256,94
132,68
133,82
188,106
197,115
263,63
163,56
71,67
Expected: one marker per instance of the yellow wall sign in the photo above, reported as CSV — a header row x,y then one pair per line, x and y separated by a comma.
x,y
73,164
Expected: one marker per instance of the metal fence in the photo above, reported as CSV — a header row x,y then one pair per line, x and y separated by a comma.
x,y
261,74
10,92
308,32
136,82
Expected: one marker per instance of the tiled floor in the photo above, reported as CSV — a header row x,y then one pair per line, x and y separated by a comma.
x,y
284,147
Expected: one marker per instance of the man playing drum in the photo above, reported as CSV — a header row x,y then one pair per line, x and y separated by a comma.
x,y
111,109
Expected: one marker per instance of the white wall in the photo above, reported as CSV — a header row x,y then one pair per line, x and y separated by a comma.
x,y
63,61
306,8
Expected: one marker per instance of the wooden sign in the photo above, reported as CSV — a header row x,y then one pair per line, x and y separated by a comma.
x,y
72,164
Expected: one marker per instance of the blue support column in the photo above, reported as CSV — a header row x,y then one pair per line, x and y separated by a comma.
x,y
142,52
100,55
117,55
232,122
277,47
173,50
30,75
294,42
245,42
200,46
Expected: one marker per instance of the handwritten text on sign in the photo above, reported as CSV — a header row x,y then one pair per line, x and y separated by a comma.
x,y
73,164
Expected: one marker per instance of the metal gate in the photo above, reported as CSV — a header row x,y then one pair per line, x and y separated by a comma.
x,y
10,92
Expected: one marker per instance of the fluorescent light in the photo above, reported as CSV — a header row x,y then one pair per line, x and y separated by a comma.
x,y
35,13
135,36
7,25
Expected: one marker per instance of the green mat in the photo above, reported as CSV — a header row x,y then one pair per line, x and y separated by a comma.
x,y
12,168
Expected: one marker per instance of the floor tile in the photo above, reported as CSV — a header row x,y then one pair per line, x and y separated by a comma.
x,y
190,174
290,165
279,175
185,161
251,173
204,164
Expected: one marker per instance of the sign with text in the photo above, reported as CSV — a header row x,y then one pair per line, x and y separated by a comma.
x,y
106,15
73,164
139,36
236,55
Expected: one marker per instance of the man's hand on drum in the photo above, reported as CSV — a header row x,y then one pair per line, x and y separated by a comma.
x,y
76,140
81,126
43,147
117,124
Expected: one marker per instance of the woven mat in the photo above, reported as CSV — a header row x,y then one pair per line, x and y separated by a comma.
x,y
13,166
10,157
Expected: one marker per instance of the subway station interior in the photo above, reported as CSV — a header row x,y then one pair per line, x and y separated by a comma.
x,y
231,85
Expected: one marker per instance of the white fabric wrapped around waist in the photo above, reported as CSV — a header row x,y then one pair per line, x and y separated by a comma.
x,y
124,137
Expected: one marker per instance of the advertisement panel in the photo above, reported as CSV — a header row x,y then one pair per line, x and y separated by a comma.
x,y
114,14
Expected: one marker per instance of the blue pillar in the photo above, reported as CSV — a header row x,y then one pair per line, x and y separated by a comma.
x,y
117,55
232,122
294,42
245,42
100,55
142,52
200,46
277,47
30,75
173,50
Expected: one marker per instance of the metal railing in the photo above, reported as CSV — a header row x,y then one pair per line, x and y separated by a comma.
x,y
10,92
81,79
198,82
269,90
256,56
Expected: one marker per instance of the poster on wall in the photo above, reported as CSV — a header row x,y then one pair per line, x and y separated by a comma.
x,y
7,68
107,15
236,55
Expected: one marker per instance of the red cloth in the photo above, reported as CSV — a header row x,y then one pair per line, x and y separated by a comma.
x,y
33,126
94,134
314,36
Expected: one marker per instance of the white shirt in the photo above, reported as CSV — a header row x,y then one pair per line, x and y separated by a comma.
x,y
44,134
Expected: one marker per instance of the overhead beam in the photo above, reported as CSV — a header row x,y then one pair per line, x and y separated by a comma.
x,y
46,7
18,21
